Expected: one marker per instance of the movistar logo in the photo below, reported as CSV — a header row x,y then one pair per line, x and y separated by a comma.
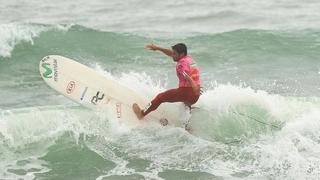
x,y
48,72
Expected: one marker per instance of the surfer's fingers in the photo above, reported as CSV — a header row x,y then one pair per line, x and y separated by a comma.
x,y
152,46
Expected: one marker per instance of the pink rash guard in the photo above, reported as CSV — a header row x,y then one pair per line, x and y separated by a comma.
x,y
187,65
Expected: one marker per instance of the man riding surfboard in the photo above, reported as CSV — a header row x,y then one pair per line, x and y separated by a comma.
x,y
187,72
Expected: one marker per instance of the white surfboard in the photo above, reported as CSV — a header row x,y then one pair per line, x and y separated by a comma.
x,y
94,90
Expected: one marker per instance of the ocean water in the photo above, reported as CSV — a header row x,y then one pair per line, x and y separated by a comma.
x,y
258,117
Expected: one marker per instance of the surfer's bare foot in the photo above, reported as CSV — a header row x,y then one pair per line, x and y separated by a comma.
x,y
136,109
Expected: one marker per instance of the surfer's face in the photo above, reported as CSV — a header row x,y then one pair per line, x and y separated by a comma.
x,y
176,56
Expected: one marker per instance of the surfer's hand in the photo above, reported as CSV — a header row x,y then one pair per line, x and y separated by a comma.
x,y
152,47
196,89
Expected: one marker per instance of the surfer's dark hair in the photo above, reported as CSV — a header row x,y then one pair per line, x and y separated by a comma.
x,y
180,48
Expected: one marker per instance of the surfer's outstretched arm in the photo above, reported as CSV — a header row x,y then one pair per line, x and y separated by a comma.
x,y
167,52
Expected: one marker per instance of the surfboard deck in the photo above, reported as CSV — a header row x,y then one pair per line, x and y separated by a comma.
x,y
94,90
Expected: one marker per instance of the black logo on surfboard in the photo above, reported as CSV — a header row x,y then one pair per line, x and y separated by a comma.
x,y
96,98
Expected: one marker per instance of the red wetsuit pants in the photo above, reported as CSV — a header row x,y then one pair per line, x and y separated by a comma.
x,y
181,94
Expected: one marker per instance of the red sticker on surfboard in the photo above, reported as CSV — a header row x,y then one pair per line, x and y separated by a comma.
x,y
71,86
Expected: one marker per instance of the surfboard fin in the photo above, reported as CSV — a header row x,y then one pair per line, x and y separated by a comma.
x,y
163,121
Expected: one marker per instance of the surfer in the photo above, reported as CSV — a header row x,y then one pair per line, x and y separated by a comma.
x,y
187,71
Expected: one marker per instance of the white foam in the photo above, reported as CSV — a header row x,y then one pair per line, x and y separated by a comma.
x,y
295,144
15,33
137,81
223,97
28,125
293,152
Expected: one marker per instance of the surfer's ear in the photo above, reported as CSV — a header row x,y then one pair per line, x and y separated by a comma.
x,y
182,55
